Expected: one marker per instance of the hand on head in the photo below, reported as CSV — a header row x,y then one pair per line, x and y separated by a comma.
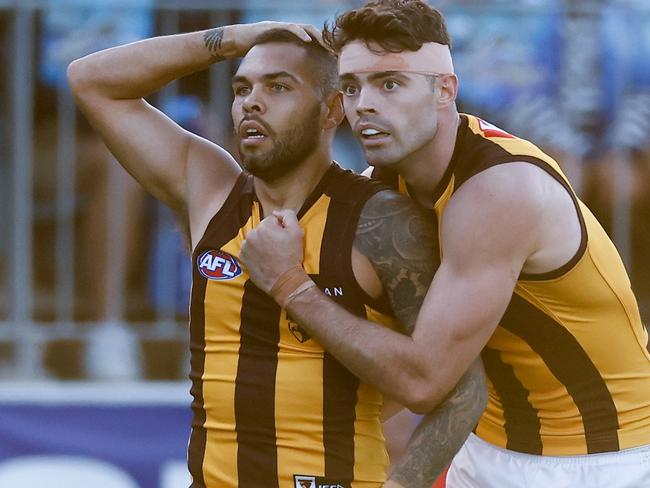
x,y
245,35
314,33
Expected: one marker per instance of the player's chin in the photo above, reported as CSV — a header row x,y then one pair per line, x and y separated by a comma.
x,y
379,158
251,150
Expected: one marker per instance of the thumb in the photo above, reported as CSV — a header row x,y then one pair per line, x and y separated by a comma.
x,y
287,218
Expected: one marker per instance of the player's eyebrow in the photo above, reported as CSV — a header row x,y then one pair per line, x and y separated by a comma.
x,y
266,77
280,74
386,74
374,76
349,77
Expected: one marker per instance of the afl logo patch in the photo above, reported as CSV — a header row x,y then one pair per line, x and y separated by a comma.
x,y
218,265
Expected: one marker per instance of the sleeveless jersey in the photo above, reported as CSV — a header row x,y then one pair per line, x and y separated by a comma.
x,y
568,369
271,407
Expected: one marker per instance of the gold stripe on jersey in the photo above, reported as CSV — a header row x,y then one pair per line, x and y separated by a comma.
x,y
368,464
291,442
269,402
220,376
568,368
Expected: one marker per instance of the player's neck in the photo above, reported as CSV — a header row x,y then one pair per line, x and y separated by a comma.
x,y
291,190
424,169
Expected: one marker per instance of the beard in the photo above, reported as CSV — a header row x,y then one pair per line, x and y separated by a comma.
x,y
290,150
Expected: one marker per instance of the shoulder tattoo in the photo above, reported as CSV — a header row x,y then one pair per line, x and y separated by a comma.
x,y
400,239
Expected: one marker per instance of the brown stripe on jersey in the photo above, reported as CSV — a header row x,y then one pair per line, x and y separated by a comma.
x,y
570,364
222,228
349,194
475,153
522,422
257,460
339,385
339,407
386,176
196,448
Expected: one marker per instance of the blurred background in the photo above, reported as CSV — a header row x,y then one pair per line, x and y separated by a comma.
x,y
95,275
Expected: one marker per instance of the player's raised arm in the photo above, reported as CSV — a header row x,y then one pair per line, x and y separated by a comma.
x,y
109,87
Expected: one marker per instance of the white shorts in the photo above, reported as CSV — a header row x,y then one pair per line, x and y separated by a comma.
x,y
480,464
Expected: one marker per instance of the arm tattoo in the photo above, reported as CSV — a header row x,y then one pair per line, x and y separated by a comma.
x,y
401,241
212,39
443,431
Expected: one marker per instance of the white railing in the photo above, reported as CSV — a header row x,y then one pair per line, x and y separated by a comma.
x,y
33,315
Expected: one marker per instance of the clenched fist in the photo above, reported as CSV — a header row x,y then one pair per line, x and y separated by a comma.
x,y
273,247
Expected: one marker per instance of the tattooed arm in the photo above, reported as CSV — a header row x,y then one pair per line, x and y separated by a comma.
x,y
109,87
400,241
170,163
442,432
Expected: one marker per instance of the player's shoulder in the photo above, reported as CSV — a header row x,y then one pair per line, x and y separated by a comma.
x,y
511,183
505,205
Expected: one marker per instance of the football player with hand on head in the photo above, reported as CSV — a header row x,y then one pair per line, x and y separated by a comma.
x,y
271,407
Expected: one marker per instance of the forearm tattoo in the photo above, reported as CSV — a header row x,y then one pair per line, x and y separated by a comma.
x,y
442,432
212,39
400,240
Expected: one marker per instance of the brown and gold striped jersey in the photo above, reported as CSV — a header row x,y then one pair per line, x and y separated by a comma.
x,y
568,367
271,407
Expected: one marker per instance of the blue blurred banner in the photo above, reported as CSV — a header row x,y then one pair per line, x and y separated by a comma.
x,y
501,56
626,35
70,32
625,82
137,440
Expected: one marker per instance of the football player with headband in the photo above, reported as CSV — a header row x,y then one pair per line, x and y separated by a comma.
x,y
528,280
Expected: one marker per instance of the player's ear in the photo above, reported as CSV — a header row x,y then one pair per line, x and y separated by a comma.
x,y
448,90
334,112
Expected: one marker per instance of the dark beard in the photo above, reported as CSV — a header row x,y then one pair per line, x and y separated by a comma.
x,y
289,152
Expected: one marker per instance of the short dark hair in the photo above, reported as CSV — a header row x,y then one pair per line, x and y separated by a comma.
x,y
322,61
393,25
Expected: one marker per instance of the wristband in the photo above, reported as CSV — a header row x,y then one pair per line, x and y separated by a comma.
x,y
298,291
288,283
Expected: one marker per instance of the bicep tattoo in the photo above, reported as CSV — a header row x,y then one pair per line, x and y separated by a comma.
x,y
212,39
400,239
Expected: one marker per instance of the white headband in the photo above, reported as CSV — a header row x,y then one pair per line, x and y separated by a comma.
x,y
432,58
